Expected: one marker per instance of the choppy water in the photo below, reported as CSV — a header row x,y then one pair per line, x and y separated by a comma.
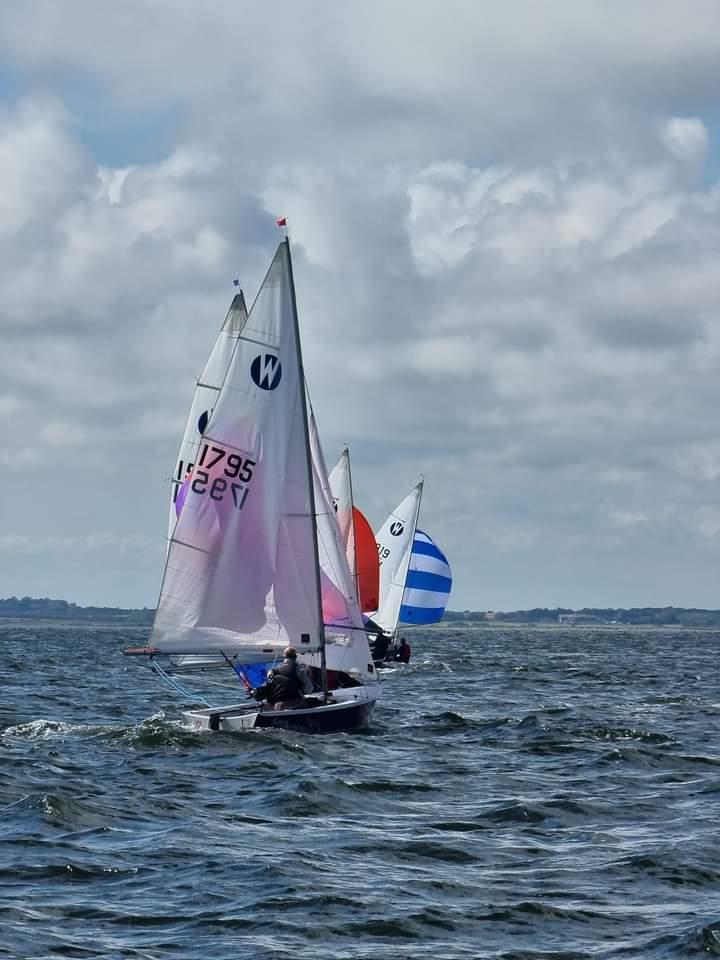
x,y
523,794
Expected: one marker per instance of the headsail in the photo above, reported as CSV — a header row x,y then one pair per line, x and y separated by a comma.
x,y
428,583
206,393
241,573
395,541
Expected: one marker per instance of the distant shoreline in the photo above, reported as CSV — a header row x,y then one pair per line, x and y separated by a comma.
x,y
550,625
694,617
31,608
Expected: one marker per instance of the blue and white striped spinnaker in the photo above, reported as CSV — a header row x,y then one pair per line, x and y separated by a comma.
x,y
428,583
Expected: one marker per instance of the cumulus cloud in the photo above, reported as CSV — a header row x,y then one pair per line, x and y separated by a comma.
x,y
505,259
685,137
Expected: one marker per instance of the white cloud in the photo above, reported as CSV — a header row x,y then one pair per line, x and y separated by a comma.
x,y
19,458
627,519
505,257
60,433
685,137
40,165
705,521
71,547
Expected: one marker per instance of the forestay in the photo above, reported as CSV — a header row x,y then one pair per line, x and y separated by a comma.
x,y
428,583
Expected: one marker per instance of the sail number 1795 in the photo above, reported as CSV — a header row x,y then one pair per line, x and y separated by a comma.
x,y
236,474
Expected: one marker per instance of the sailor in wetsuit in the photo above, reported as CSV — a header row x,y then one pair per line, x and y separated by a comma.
x,y
404,651
380,647
287,683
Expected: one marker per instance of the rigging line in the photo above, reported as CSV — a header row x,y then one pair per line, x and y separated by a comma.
x,y
176,685
238,670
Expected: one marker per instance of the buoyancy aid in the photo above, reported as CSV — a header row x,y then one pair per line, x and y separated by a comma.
x,y
285,683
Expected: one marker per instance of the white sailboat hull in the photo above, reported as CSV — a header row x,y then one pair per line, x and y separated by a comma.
x,y
348,709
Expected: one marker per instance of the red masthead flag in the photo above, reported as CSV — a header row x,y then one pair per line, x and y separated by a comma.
x,y
281,222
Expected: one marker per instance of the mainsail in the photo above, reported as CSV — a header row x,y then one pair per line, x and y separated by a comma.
x,y
339,596
367,562
395,540
428,583
241,573
348,648
360,547
341,493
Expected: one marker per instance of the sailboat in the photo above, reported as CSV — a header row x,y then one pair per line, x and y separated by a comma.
x,y
415,576
255,560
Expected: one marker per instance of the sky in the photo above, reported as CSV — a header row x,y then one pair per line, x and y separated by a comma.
x,y
506,230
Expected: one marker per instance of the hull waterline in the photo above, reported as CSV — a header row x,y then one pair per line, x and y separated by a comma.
x,y
328,718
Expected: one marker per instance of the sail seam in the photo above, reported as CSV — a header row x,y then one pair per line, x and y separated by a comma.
x,y
190,546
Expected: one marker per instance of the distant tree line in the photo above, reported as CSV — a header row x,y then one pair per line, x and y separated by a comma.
x,y
650,616
31,607
45,608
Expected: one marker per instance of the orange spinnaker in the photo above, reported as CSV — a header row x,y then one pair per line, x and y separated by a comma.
x,y
367,563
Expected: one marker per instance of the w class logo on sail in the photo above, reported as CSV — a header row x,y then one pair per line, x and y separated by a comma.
x,y
266,371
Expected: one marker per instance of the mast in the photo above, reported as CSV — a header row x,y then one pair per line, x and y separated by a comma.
x,y
308,460
356,573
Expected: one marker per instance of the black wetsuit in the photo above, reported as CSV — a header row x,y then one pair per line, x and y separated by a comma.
x,y
285,683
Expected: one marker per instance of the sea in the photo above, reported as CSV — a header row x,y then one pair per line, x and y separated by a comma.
x,y
522,794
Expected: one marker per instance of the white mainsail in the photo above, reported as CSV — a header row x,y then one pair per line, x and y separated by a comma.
x,y
395,541
340,602
241,573
206,392
341,492
348,649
